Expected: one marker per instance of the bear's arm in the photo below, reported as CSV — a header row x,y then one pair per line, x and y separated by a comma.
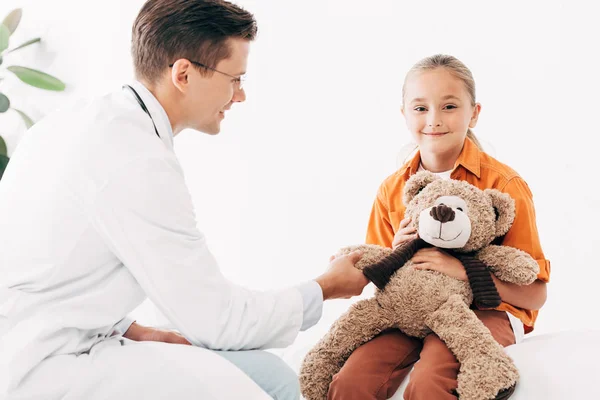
x,y
510,264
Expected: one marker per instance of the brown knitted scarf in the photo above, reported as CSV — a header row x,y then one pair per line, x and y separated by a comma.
x,y
381,272
485,293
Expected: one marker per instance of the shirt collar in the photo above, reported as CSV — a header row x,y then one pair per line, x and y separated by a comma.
x,y
469,158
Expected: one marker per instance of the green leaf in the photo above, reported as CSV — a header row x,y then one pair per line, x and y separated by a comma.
x,y
3,164
37,78
12,20
27,43
4,103
3,150
4,35
28,121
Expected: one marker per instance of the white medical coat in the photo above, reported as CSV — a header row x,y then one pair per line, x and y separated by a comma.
x,y
95,217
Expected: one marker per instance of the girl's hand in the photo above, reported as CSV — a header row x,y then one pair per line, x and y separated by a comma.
x,y
435,259
405,233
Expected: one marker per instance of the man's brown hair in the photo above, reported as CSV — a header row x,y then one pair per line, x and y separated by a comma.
x,y
198,30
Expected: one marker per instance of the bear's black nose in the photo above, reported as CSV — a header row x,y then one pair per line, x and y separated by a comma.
x,y
442,213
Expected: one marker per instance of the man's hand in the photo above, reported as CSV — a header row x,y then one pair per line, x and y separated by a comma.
x,y
434,259
342,279
147,334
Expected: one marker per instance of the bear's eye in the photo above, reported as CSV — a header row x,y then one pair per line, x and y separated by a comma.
x,y
459,209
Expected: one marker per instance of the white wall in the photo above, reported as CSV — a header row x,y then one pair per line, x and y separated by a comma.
x,y
292,176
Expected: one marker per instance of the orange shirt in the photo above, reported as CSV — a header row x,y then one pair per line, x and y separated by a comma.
x,y
484,172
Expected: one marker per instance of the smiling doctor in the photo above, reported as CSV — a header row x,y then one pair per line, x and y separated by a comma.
x,y
97,217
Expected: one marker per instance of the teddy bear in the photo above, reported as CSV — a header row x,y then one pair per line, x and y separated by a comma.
x,y
466,222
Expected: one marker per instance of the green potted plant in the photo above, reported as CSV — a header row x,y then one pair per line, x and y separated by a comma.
x,y
29,76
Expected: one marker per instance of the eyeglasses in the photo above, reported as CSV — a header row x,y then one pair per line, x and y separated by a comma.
x,y
237,80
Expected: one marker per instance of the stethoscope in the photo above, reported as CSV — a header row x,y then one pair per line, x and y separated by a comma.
x,y
141,103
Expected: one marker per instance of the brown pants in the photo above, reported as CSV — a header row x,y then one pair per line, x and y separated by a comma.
x,y
376,369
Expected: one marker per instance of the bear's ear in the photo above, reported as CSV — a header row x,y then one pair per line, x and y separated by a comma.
x,y
416,183
504,206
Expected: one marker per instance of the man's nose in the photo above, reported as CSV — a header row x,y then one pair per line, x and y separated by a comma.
x,y
239,96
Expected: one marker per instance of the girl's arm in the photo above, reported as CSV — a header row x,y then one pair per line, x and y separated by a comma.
x,y
523,235
530,297
380,230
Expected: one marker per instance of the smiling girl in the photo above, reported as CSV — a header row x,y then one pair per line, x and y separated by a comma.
x,y
440,110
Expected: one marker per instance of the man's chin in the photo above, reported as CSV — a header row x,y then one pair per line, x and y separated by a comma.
x,y
210,130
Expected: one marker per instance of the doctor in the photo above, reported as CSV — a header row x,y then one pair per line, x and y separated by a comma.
x,y
96,217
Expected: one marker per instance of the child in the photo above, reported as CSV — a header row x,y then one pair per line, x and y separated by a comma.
x,y
440,110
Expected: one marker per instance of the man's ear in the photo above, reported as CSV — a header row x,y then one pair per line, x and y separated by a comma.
x,y
504,206
416,183
179,74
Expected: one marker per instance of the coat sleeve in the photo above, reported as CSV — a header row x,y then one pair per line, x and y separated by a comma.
x,y
145,216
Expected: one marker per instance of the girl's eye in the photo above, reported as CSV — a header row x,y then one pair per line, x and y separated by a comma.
x,y
419,108
450,107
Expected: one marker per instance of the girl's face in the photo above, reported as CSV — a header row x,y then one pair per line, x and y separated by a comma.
x,y
438,110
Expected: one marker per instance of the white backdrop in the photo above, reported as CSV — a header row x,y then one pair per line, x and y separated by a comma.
x,y
292,176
